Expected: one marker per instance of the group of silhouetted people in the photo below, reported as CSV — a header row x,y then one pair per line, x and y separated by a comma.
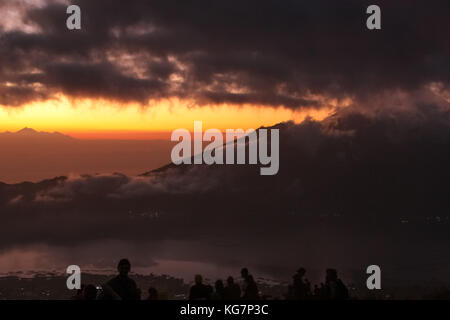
x,y
122,287
332,289
232,291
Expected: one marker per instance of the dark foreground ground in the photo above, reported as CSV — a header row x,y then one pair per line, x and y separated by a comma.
x,y
49,286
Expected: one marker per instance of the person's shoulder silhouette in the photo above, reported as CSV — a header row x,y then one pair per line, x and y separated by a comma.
x,y
251,289
122,284
299,287
342,290
232,291
219,291
199,291
335,288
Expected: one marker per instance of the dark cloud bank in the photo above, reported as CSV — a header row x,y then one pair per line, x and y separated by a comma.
x,y
262,52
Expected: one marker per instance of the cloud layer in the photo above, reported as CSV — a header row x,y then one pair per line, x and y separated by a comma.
x,y
290,53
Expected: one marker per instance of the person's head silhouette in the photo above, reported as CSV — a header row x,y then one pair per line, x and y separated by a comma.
x,y
124,267
301,272
198,279
219,285
331,274
230,281
244,272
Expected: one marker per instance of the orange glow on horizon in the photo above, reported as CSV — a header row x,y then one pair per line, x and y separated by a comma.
x,y
99,119
120,135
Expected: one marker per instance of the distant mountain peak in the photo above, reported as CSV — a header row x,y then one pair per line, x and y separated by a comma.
x,y
27,130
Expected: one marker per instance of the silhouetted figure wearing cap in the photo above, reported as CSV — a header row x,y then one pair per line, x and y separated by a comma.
x,y
335,288
232,290
299,287
122,285
199,291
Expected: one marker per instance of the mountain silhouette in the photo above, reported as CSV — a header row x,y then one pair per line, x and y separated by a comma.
x,y
31,133
27,130
33,156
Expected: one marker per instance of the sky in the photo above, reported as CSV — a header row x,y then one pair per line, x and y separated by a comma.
x,y
90,119
146,67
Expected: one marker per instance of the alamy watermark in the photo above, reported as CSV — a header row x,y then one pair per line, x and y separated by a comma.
x,y
73,21
74,280
256,142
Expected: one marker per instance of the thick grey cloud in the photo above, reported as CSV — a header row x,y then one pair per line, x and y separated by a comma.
x,y
263,52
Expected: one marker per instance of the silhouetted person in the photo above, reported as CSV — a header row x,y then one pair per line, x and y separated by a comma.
x,y
152,294
250,291
199,291
316,291
122,285
308,288
335,288
322,291
299,287
244,273
219,292
210,290
232,290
